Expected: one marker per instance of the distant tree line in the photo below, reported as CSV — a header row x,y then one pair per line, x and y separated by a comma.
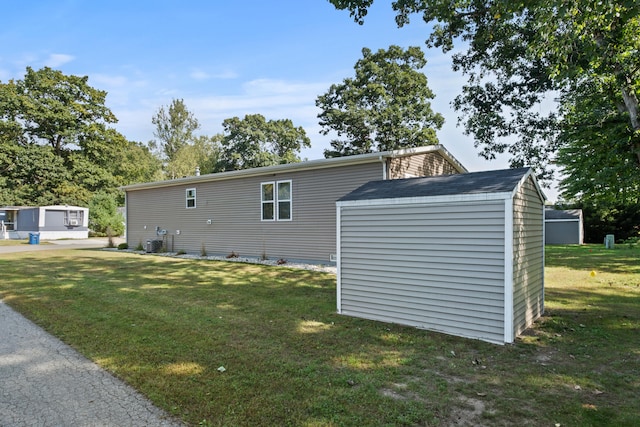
x,y
58,144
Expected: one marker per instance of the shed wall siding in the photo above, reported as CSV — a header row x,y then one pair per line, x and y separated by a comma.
x,y
563,232
234,208
428,164
438,266
528,256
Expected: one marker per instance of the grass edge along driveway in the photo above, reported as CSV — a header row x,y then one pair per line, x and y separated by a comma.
x,y
169,326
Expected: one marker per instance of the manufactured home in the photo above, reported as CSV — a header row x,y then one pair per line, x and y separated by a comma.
x,y
460,254
282,211
51,222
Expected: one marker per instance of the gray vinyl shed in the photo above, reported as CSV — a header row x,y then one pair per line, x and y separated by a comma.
x,y
459,254
563,227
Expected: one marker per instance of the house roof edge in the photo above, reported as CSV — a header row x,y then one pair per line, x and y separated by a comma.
x,y
306,165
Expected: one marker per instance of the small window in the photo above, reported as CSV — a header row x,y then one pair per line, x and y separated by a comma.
x,y
276,201
268,201
191,198
284,201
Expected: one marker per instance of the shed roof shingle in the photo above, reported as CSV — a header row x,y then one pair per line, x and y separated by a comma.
x,y
562,214
498,181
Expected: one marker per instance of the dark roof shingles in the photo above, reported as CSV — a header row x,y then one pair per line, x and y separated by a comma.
x,y
498,181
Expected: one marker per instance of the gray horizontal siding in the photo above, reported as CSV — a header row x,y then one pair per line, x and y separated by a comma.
x,y
528,256
562,233
438,267
27,219
234,207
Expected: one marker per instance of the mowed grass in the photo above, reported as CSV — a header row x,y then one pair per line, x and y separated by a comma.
x,y
8,242
167,326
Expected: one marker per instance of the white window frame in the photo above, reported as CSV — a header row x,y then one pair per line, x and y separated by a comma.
x,y
73,218
275,200
289,200
189,198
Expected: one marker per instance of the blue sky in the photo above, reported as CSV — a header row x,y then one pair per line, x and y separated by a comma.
x,y
224,58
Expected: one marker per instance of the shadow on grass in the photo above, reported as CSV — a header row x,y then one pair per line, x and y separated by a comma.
x,y
622,259
167,325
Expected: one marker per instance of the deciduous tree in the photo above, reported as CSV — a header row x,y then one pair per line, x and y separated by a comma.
x,y
203,154
253,142
49,107
384,107
56,143
175,125
518,54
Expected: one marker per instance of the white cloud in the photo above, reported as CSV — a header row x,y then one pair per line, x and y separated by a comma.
x,y
57,59
272,86
110,81
199,74
261,96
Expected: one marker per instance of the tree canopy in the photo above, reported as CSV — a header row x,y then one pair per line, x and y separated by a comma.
x,y
48,107
174,127
519,55
384,107
202,154
56,143
254,141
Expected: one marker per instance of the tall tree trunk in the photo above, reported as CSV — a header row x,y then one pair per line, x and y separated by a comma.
x,y
631,104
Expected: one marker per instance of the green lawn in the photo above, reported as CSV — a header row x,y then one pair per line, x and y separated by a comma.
x,y
167,325
8,242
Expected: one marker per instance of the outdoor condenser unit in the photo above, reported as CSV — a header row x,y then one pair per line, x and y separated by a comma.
x,y
153,246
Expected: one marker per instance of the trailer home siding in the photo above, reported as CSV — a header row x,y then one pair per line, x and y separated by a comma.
x,y
227,215
228,212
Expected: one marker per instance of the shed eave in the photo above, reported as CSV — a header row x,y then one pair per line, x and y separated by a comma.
x,y
427,199
529,173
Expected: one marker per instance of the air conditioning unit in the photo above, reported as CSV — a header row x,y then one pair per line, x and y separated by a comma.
x,y
153,246
73,222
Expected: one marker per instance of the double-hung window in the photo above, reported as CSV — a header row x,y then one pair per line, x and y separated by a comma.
x,y
191,198
276,200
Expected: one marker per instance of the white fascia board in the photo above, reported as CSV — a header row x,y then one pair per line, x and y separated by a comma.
x,y
338,261
535,182
300,166
263,171
544,239
508,270
267,170
426,199
63,208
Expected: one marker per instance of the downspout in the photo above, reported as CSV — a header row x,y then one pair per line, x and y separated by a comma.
x,y
383,160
